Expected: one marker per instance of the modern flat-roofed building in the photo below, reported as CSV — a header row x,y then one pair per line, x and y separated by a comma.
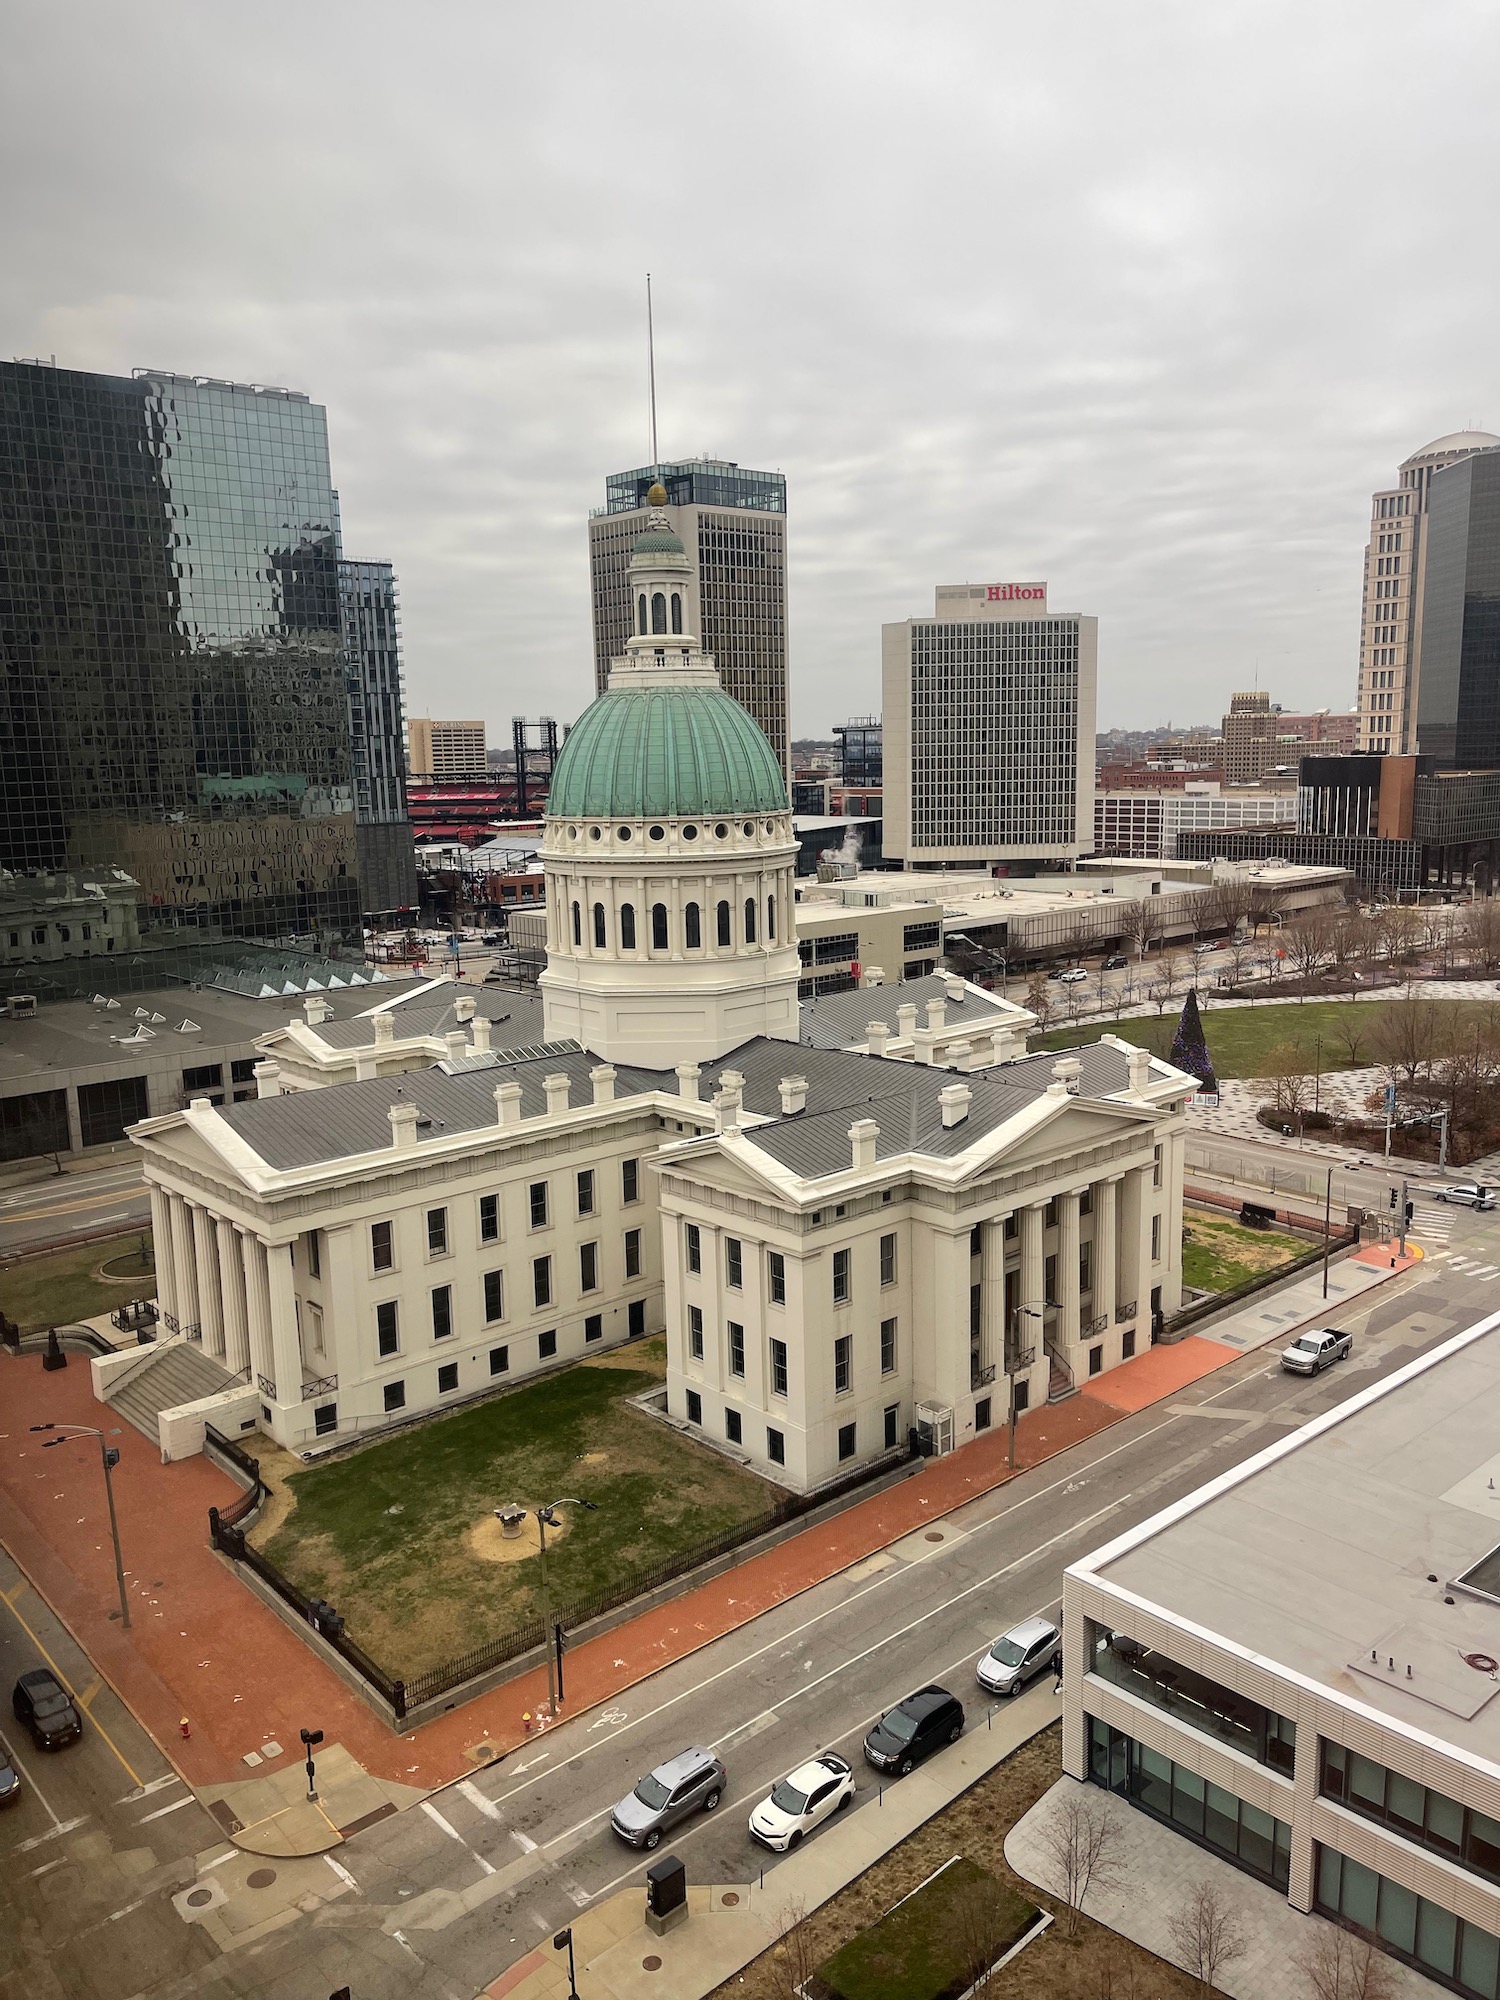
x,y
989,729
1458,701
1145,824
732,522
382,822
1295,1666
446,752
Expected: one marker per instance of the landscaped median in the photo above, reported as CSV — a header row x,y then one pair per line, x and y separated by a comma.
x,y
81,1281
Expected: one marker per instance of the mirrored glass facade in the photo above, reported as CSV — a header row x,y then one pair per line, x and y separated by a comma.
x,y
175,694
372,655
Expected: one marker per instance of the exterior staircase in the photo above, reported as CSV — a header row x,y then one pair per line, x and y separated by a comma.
x,y
178,1373
1060,1383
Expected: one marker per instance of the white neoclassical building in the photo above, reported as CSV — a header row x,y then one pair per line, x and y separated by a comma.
x,y
872,1214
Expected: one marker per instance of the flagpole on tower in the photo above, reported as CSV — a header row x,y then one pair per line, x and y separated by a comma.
x,y
651,370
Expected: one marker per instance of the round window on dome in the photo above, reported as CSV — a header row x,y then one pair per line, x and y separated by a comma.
x,y
721,831
622,833
770,828
690,833
572,833
748,829
658,833
596,833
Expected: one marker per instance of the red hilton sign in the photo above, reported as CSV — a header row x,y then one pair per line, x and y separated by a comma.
x,y
1008,593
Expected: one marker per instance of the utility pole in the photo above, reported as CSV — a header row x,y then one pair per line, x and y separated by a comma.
x,y
1327,1228
110,1456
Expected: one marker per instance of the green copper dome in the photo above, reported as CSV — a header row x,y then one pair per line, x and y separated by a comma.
x,y
658,542
667,753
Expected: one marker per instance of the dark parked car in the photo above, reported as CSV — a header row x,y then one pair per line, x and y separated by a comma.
x,y
42,1702
10,1784
1115,963
913,1729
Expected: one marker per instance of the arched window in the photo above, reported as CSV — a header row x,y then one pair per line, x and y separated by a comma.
x,y
658,611
641,624
749,920
771,919
658,926
598,927
724,924
627,927
676,612
692,929
577,924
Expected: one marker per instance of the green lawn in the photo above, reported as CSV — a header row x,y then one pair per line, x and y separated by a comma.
x,y
1220,1256
63,1286
383,1534
933,1944
1239,1037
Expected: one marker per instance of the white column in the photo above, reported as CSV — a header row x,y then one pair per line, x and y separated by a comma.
x,y
1173,1169
232,1298
1130,1241
285,1346
185,1267
1067,1267
207,1255
1032,1275
1104,1248
258,1300
161,1238
992,1293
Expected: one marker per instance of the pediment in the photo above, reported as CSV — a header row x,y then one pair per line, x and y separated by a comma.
x,y
1077,1128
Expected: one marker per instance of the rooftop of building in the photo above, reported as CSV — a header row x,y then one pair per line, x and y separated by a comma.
x,y
431,1007
1340,1550
1453,441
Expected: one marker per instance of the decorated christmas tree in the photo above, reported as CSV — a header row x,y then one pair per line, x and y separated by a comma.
x,y
1190,1050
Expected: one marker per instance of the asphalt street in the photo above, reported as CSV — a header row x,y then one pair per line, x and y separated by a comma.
x,y
440,1899
69,1204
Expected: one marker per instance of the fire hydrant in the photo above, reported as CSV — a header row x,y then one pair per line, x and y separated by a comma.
x,y
186,1731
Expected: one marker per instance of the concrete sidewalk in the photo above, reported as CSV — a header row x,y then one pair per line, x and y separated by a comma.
x,y
617,1958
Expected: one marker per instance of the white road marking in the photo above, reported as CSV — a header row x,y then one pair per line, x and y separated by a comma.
x,y
162,1811
478,1800
342,1872
39,1839
57,1825
524,1840
453,1834
46,1865
115,1915
145,1791
228,1855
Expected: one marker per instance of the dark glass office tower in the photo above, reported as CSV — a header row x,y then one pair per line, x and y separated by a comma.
x,y
1458,696
372,653
733,522
174,694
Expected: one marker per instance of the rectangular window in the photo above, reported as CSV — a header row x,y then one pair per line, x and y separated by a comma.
x,y
632,1253
1168,1791
778,1367
382,1248
442,1312
447,1378
489,1218
736,1348
1085,1267
499,1360
630,1180
892,1418
888,1259
588,1267
635,1318
841,1277
437,1232
983,1413
209,1077
541,1281
694,1407
846,1441
394,1396
1156,1166
586,1191
695,1333
843,1364
593,1327
314,1254
1457,1952
734,1430
494,1295
734,1275
776,1278
694,1247
887,1347
387,1336
537,1195
1127,1345
1156,1239
775,1447
325,1419
1096,1359
1012,1227
546,1345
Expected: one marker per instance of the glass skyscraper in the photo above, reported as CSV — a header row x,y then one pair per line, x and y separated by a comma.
x,y
733,524
1458,693
372,652
176,680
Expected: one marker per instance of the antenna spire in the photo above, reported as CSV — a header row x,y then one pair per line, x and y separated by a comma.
x,y
651,372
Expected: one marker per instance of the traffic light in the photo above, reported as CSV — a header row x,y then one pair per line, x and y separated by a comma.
x,y
1395,1197
1411,1209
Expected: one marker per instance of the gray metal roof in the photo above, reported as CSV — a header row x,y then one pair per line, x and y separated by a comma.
x,y
517,1017
833,1020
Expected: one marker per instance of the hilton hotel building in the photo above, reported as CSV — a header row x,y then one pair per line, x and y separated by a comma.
x,y
989,729
733,527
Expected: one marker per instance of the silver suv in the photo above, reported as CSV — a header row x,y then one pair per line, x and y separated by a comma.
x,y
1018,1656
691,1780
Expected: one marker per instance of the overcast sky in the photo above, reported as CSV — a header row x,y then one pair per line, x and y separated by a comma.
x,y
1143,300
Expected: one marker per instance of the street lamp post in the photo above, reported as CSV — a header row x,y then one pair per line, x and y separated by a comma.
x,y
1010,1380
110,1457
310,1738
546,1518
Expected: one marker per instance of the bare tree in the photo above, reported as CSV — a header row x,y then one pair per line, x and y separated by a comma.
x,y
979,1932
1339,1965
1039,1000
1404,1037
1141,923
1482,934
1309,942
1080,1838
793,1959
1207,1933
1284,1078
1352,1031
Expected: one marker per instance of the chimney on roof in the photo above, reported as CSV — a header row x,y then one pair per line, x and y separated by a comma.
x,y
556,1087
385,1029
687,1081
316,1010
877,1034
906,1021
364,1065
404,1126
465,1007
267,1079
1001,1045
873,975
479,1032
727,1110
936,1011
957,1054
458,1044
603,1080
955,1099
793,1095
864,1133
507,1104
1138,1063
1066,1071
922,1045
732,1084
954,987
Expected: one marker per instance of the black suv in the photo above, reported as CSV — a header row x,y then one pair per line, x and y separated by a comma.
x,y
42,1702
913,1729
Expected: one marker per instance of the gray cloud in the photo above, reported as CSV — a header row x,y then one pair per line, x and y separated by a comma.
x,y
1142,300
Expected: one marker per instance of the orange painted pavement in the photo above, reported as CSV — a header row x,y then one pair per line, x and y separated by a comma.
x,y
1158,1373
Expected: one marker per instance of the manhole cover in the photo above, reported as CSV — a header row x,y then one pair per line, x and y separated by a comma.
x,y
730,1898
933,1536
260,1878
198,1897
651,1964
